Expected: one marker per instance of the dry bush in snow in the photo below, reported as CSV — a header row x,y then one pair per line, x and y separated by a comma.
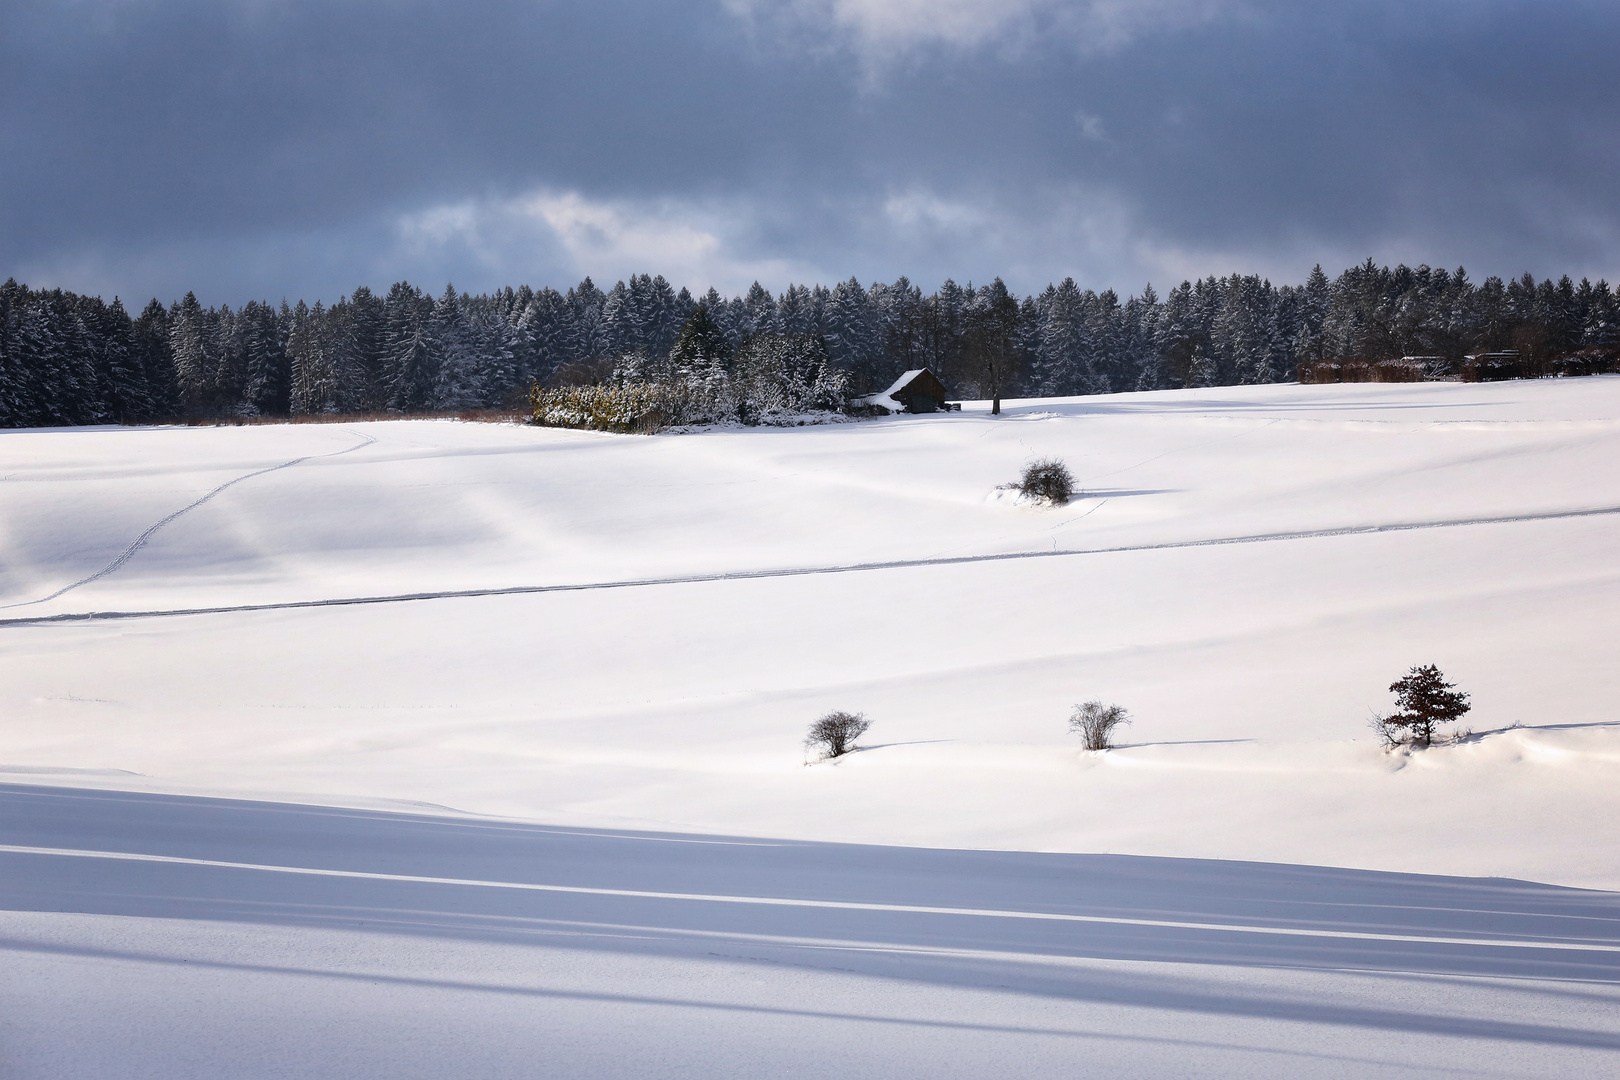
x,y
836,733
1095,723
1047,479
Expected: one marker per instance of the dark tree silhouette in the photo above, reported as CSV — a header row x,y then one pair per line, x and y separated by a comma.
x,y
701,343
1049,479
836,732
1426,700
67,359
991,340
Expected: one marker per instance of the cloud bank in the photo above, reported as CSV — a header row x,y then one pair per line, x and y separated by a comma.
x,y
258,150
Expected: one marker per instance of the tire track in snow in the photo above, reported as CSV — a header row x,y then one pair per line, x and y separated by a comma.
x,y
803,571
140,541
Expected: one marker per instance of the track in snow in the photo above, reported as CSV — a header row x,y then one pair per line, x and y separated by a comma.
x,y
754,575
155,936
130,853
140,541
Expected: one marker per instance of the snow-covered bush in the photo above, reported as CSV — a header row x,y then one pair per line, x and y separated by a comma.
x,y
771,379
836,733
639,408
1047,479
1095,723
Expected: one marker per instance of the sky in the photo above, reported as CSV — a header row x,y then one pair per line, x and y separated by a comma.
x,y
262,149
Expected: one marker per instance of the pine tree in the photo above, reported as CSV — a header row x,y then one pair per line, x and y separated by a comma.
x,y
189,344
544,324
151,346
313,382
1242,331
587,336
457,385
267,387
11,385
942,321
362,342
1493,318
700,347
620,320
1178,338
897,310
129,398
758,312
1426,700
992,340
795,311
1062,366
410,364
851,333
667,314
1602,322
1138,328
495,351
1102,350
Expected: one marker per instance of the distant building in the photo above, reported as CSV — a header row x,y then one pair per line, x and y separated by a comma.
x,y
917,391
1496,367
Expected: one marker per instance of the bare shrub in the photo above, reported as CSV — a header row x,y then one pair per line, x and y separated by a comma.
x,y
836,733
1317,371
1355,369
1047,479
1095,723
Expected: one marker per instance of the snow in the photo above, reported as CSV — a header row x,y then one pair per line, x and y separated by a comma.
x,y
652,623
273,940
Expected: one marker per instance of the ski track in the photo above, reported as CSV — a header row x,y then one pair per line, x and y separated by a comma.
x,y
140,541
737,575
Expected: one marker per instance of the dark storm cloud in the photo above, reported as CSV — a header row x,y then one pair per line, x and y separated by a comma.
x,y
262,149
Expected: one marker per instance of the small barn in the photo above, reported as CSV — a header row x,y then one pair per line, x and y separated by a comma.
x,y
917,391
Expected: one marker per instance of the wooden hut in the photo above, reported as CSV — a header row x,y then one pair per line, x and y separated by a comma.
x,y
918,391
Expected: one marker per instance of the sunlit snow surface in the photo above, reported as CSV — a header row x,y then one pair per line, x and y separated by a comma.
x,y
1370,528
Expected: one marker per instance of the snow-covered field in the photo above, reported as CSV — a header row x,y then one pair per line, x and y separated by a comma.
x,y
646,628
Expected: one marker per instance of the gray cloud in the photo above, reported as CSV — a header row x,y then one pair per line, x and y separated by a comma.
x,y
257,149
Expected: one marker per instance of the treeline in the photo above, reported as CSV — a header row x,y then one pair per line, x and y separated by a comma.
x,y
70,359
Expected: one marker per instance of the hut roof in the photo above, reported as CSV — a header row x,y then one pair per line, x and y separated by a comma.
x,y
887,399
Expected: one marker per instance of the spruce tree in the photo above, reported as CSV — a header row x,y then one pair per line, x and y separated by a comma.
x,y
151,344
410,365
992,340
128,397
700,346
1426,700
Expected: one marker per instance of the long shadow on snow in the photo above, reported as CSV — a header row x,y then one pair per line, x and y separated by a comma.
x,y
1009,920
1214,406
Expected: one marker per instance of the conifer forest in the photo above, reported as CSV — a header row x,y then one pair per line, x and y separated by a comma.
x,y
68,359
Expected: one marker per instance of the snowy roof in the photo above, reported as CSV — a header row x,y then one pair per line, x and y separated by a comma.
x,y
900,383
886,399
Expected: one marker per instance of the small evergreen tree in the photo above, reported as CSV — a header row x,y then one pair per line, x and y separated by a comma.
x,y
1426,700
